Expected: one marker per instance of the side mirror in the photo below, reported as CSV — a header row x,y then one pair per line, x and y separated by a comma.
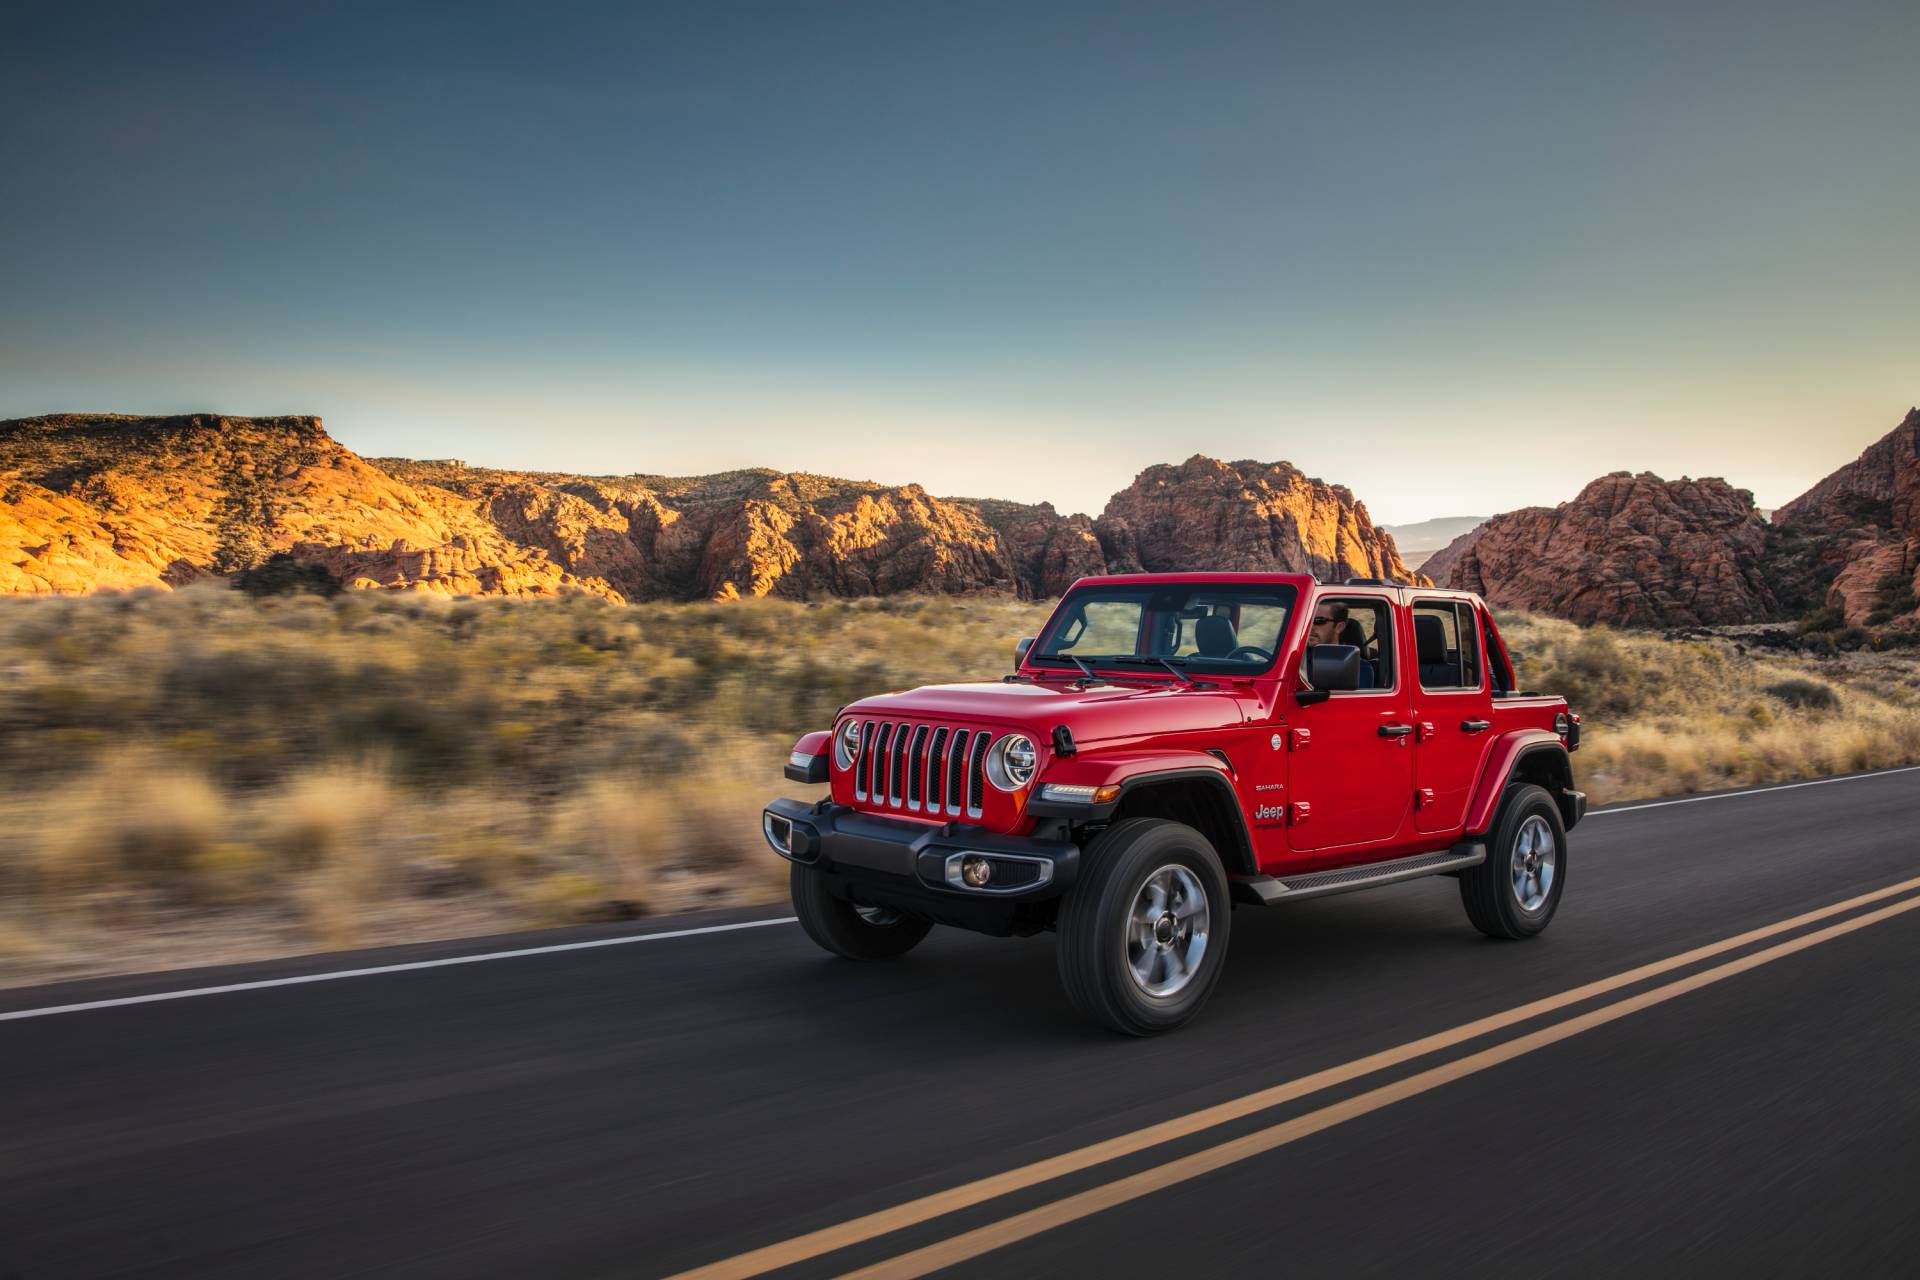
x,y
1020,650
1333,668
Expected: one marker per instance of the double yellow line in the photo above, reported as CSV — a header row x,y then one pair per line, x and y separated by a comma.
x,y
1019,1226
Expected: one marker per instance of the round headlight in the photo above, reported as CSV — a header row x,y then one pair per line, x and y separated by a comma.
x,y
1010,762
846,744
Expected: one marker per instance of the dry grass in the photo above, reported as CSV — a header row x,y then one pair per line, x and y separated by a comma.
x,y
1666,717
201,776
202,769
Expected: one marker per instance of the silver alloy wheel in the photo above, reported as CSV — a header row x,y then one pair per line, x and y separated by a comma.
x,y
879,917
1535,857
1167,931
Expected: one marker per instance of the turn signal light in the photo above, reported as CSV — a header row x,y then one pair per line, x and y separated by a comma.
x,y
1074,793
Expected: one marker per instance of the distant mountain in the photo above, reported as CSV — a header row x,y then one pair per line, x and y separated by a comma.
x,y
1420,540
90,501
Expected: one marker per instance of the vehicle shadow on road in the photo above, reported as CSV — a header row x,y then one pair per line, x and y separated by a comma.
x,y
1284,964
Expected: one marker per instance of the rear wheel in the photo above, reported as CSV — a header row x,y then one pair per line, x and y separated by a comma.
x,y
1514,893
1143,933
845,929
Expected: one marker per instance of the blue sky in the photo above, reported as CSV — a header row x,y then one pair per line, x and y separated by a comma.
x,y
1459,258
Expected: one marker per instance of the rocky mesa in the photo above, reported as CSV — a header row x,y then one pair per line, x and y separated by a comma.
x,y
1245,516
1630,550
1852,542
111,501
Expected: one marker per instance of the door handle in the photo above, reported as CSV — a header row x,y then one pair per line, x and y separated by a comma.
x,y
1475,726
1395,730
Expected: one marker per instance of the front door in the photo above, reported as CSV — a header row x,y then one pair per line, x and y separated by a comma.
x,y
1350,758
1452,712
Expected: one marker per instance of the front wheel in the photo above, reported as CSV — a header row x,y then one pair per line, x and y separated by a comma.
x,y
1514,893
1143,934
854,932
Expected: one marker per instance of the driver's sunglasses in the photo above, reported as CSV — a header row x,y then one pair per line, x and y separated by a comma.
x,y
1321,622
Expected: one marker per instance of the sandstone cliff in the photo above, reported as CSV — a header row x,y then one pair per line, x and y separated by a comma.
x,y
1245,516
1853,540
1630,550
91,501
109,501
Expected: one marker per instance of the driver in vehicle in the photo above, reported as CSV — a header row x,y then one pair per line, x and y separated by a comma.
x,y
1333,625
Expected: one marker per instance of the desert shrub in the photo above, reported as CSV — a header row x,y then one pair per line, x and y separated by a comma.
x,y
1825,618
280,574
1809,695
1894,596
131,824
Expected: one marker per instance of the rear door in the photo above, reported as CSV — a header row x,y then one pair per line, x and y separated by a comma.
x,y
1350,758
1452,710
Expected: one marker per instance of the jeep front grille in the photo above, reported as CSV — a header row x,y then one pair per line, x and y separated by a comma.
x,y
922,768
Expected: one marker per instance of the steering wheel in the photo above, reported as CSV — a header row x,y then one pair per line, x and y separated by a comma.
x,y
1245,651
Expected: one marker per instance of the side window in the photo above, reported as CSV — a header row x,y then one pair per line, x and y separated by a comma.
x,y
1368,626
1470,646
1446,641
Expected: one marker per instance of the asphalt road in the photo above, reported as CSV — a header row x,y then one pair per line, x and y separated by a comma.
x,y
648,1107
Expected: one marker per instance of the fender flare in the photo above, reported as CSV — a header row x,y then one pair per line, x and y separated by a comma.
x,y
1525,746
1132,775
807,762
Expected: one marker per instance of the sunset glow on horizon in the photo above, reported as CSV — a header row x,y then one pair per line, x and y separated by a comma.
x,y
1458,261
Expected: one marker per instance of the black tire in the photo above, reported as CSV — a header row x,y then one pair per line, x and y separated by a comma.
x,y
838,926
1095,966
1493,899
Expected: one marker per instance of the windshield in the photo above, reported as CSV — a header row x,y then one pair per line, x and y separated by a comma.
x,y
1192,627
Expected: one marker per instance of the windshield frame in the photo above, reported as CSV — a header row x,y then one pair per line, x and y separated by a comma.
x,y
1167,595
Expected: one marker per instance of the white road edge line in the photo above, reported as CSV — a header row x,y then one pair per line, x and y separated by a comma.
x,y
410,966
1754,791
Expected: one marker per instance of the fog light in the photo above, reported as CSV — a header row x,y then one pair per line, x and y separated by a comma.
x,y
976,871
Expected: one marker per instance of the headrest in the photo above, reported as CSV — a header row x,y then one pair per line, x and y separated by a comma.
x,y
1430,639
1213,635
1350,633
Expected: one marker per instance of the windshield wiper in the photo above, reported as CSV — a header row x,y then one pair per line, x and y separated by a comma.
x,y
1075,661
1178,666
1148,660
1090,674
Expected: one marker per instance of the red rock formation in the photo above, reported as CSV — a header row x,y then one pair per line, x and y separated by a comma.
x,y
110,501
1864,493
1853,540
1049,551
1205,514
1439,565
94,501
1630,550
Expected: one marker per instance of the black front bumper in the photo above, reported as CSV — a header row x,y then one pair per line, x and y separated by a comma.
x,y
911,866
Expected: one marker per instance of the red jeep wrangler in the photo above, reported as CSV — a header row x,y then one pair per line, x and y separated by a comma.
x,y
1172,745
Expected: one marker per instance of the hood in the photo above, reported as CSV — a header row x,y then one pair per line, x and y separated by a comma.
x,y
1093,713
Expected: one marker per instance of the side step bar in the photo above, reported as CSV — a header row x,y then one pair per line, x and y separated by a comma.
x,y
1265,891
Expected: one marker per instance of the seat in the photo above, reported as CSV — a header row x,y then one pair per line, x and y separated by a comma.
x,y
1352,633
1430,644
1213,635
